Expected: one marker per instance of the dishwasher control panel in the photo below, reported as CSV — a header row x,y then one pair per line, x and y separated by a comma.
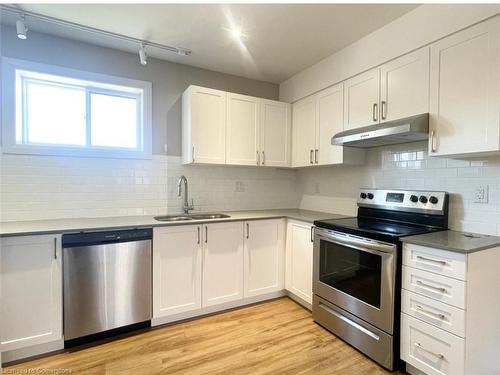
x,y
104,237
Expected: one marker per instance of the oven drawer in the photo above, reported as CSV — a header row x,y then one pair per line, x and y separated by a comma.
x,y
443,262
440,288
441,315
369,340
430,349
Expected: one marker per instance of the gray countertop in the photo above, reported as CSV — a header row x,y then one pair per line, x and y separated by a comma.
x,y
460,242
14,228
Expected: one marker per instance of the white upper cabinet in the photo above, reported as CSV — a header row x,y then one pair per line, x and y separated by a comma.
x,y
222,263
404,86
31,291
242,130
264,254
465,92
316,120
361,100
275,140
176,269
304,132
203,126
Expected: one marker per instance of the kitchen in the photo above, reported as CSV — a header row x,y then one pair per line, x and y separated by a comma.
x,y
224,201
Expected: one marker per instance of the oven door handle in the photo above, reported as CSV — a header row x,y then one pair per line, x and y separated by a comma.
x,y
369,247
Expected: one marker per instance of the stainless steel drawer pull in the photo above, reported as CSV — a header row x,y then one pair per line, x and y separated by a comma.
x,y
375,105
439,316
316,156
55,247
198,235
311,152
248,231
312,234
442,290
439,355
383,109
194,156
442,262
433,148
206,234
258,157
263,158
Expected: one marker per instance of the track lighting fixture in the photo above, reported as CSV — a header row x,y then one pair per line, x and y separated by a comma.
x,y
22,30
183,52
143,57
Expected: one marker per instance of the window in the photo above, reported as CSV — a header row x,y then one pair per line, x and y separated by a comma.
x,y
75,113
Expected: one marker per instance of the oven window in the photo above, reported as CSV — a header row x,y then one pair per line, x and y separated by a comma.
x,y
355,272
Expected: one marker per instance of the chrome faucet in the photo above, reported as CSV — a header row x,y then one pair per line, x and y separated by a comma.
x,y
186,207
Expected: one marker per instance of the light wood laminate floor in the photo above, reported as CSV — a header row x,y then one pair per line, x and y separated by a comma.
x,y
275,337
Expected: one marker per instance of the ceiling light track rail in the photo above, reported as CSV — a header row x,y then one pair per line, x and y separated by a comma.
x,y
27,14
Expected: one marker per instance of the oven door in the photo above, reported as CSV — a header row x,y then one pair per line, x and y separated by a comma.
x,y
357,275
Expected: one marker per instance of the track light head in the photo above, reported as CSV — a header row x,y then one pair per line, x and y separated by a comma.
x,y
22,30
143,57
183,52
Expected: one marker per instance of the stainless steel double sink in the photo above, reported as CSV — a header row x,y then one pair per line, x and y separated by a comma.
x,y
187,217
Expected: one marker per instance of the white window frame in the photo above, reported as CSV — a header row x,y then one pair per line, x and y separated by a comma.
x,y
11,107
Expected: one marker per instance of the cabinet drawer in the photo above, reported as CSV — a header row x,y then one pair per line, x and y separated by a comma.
x,y
430,349
440,288
441,315
443,262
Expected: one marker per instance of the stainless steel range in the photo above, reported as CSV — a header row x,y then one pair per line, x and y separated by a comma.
x,y
357,267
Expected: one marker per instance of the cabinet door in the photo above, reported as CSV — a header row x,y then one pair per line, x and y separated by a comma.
x,y
263,257
275,133
465,91
404,86
176,269
299,258
361,100
304,132
31,280
242,130
222,263
330,110
204,122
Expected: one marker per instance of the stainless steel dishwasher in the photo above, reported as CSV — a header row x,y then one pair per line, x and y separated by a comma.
x,y
107,282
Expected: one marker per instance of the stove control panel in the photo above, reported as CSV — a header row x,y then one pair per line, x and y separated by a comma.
x,y
432,202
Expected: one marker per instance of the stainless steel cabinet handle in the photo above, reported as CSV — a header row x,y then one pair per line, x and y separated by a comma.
x,y
248,231
55,247
374,111
442,262
263,158
258,157
422,284
198,235
194,154
439,316
312,234
316,156
433,148
383,109
439,355
206,234
311,156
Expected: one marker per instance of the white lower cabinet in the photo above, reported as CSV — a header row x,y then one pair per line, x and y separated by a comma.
x,y
31,291
222,263
299,258
177,255
449,312
264,253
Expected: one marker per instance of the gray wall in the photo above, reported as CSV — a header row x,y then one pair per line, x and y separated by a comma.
x,y
169,79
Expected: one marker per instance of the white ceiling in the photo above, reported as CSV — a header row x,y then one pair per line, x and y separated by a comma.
x,y
279,40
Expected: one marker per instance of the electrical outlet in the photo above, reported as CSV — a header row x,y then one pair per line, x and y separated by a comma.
x,y
316,188
240,187
481,194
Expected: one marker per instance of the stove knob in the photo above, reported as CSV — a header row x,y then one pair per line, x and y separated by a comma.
x,y
423,199
414,198
370,196
362,195
433,200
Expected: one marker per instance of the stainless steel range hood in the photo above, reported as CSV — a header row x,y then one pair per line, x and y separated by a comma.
x,y
410,129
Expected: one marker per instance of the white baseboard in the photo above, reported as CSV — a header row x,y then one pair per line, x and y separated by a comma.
x,y
213,309
299,300
413,370
31,351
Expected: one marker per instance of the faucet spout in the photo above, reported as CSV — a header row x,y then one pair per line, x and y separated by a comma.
x,y
186,207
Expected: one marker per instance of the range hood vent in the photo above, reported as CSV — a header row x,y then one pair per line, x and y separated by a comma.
x,y
410,129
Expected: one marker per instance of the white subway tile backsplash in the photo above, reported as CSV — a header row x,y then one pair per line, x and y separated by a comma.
x,y
35,187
